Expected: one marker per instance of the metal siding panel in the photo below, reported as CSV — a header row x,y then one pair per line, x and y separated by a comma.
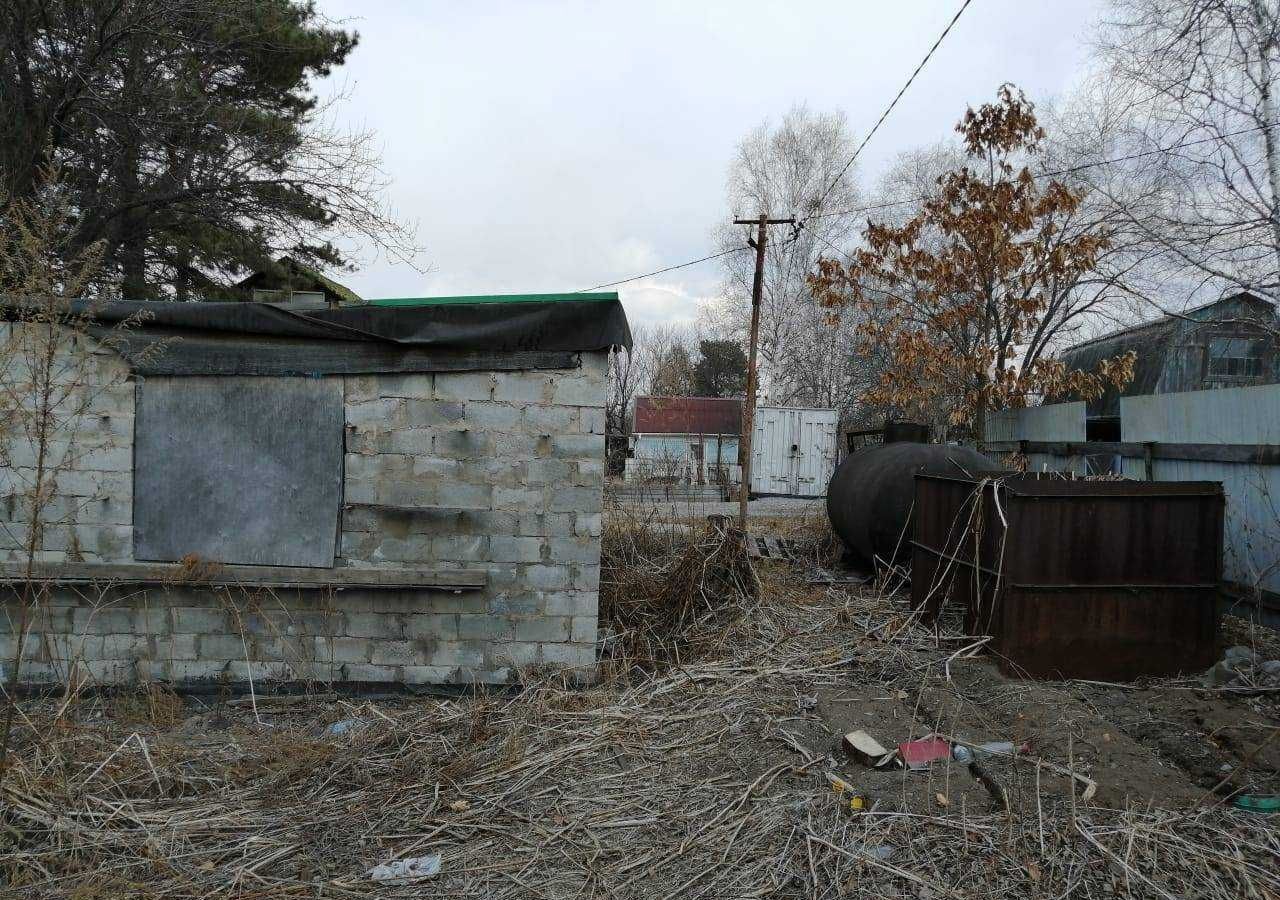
x,y
814,448
793,446
774,469
243,470
780,451
1004,425
1252,526
1055,422
1245,415
806,469
766,472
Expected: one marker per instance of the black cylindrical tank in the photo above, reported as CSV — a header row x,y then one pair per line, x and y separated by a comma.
x,y
870,495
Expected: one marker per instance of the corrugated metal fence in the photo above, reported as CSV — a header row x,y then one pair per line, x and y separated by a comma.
x,y
1057,422
1229,435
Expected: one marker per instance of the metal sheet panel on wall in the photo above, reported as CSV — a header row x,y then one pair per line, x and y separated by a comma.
x,y
1054,422
1242,415
243,470
1074,578
1237,416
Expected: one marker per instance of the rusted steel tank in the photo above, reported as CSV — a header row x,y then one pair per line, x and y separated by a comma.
x,y
870,495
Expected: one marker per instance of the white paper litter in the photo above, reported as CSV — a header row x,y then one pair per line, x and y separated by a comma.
x,y
403,871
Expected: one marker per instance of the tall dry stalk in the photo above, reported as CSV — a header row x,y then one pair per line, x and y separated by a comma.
x,y
51,373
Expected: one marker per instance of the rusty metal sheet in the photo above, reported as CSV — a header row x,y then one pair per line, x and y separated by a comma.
x,y
1079,579
238,469
1107,633
688,415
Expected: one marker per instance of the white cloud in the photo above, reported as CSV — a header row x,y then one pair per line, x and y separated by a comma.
x,y
653,302
555,145
632,254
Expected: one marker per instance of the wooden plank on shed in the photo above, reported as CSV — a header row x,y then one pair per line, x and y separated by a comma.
x,y
246,576
238,469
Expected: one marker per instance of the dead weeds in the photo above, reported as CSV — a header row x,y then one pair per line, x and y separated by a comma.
x,y
702,777
151,704
667,592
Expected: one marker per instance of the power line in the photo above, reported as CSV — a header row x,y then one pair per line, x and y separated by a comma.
x,y
884,115
1067,171
684,265
878,206
834,182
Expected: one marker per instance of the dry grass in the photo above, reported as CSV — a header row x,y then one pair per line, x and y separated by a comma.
x,y
668,591
702,778
150,704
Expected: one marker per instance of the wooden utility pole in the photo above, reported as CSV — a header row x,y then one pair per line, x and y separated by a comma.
x,y
762,224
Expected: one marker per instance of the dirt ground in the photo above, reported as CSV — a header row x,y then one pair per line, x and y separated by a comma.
x,y
1167,745
703,778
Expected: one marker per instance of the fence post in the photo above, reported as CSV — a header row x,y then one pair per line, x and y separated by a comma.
x,y
1148,459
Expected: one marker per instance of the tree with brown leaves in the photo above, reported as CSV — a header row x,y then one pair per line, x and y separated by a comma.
x,y
966,297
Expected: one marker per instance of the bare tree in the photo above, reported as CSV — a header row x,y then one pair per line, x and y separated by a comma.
x,y
633,373
622,380
790,168
1195,82
664,357
52,377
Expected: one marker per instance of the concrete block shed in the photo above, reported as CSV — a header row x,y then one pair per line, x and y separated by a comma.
x,y
407,491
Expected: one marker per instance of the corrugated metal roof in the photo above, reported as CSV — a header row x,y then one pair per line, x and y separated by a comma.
x,y
1243,298
688,415
1154,343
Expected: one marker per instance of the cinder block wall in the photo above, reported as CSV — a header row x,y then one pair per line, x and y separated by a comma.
x,y
90,517
499,471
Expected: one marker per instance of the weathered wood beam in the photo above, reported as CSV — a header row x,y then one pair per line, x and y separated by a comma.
x,y
245,576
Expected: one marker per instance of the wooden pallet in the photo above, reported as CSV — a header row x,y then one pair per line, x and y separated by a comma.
x,y
769,546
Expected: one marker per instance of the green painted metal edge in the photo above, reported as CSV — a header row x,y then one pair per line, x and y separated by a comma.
x,y
493,298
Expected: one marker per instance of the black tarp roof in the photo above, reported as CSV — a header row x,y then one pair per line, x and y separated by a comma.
x,y
405,335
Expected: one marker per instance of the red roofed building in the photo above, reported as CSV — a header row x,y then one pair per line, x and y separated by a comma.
x,y
688,415
692,440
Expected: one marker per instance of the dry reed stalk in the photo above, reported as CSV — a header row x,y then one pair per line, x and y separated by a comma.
x,y
690,780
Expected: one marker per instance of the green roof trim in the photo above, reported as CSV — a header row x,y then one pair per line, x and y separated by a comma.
x,y
493,298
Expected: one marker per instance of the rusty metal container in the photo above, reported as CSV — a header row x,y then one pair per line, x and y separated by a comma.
x,y
906,432
1106,580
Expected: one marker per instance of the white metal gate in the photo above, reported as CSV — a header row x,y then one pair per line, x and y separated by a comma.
x,y
793,451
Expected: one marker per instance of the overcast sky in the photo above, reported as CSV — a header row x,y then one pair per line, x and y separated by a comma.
x,y
552,146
